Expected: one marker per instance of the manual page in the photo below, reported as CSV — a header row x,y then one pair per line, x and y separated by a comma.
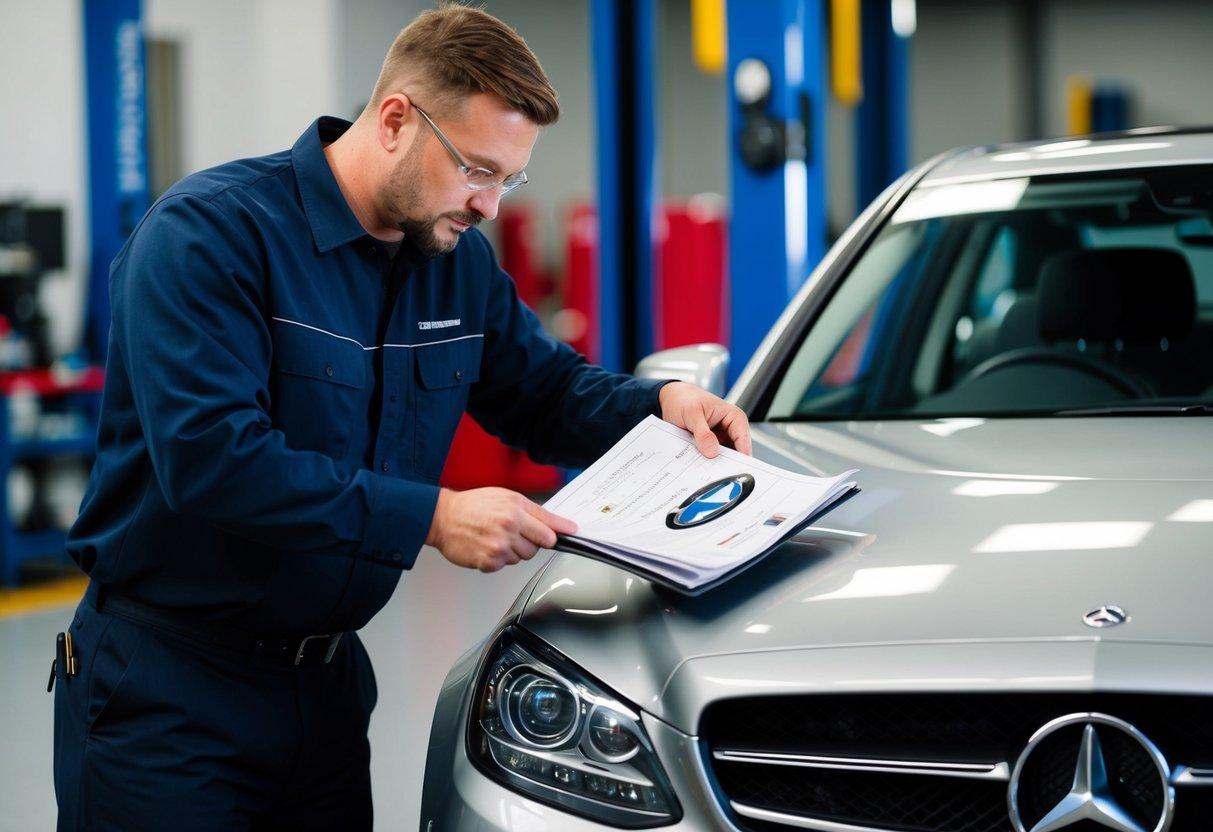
x,y
654,504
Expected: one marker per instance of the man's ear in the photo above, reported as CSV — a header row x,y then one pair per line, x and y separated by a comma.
x,y
395,120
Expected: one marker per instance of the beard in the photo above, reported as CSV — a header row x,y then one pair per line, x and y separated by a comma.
x,y
404,192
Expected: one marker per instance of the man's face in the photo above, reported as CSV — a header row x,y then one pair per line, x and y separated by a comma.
x,y
426,195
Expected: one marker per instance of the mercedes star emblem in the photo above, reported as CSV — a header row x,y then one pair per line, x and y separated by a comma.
x,y
1105,617
1127,789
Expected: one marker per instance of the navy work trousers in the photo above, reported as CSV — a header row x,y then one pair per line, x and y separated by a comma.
x,y
160,733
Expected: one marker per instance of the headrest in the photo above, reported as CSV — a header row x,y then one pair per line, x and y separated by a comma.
x,y
1108,293
1018,327
1036,241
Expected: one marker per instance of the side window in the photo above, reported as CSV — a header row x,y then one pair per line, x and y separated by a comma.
x,y
994,281
831,367
848,363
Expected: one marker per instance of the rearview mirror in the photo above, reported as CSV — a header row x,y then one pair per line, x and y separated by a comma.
x,y
704,365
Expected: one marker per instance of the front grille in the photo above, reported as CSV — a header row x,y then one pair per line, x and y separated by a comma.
x,y
953,728
897,801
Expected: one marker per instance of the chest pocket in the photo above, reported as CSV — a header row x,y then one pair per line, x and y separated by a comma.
x,y
318,389
445,372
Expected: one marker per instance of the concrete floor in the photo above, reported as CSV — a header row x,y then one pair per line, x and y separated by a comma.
x,y
437,613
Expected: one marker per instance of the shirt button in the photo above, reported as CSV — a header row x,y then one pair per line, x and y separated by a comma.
x,y
328,370
458,375
384,466
397,555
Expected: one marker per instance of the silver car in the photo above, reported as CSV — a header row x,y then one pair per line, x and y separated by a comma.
x,y
1009,628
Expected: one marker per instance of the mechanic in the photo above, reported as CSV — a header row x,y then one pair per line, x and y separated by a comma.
x,y
294,340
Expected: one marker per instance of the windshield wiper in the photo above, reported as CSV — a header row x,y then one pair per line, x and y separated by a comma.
x,y
1142,410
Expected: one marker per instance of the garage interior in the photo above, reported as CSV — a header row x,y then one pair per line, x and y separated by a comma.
x,y
708,154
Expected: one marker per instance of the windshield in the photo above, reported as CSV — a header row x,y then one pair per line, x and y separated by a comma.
x,y
1029,296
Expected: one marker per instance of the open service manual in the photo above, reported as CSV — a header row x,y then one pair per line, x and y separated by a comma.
x,y
654,505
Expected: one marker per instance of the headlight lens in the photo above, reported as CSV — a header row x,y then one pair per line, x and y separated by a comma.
x,y
544,728
537,709
610,736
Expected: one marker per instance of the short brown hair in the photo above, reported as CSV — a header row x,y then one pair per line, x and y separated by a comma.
x,y
455,51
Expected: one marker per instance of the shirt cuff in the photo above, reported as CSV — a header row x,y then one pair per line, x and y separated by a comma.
x,y
399,522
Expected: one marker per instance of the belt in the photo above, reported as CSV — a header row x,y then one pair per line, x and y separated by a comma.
x,y
278,651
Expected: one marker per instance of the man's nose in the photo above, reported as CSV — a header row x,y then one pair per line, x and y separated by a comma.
x,y
486,202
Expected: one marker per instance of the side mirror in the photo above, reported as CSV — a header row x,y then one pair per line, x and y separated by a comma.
x,y
704,365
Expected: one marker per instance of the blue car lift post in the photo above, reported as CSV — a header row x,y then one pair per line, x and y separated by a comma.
x,y
117,143
777,227
882,128
118,196
623,41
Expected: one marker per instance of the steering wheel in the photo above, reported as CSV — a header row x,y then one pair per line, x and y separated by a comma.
x,y
1105,372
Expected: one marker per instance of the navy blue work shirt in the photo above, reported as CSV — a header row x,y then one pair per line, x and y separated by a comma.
x,y
276,415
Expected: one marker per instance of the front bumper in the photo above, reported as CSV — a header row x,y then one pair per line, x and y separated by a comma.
x,y
457,796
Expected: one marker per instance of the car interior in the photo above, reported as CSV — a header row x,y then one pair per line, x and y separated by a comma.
x,y
1093,293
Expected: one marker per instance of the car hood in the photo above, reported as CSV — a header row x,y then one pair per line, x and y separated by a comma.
x,y
965,531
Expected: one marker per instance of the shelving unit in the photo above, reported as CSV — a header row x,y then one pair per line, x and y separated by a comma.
x,y
81,394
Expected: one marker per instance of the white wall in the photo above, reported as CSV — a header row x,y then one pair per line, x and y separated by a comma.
x,y
365,29
254,73
693,118
43,135
968,72
965,76
1161,50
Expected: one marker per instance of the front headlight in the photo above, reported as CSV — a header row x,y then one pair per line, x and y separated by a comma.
x,y
542,727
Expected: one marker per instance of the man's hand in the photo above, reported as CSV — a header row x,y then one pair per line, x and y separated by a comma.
x,y
488,528
710,418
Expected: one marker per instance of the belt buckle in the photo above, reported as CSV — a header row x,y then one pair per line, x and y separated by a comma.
x,y
334,640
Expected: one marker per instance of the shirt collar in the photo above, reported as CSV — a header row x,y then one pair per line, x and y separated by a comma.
x,y
333,223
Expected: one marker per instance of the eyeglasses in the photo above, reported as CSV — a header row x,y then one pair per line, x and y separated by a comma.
x,y
478,179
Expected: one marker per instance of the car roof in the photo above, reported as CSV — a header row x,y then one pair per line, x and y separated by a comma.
x,y
1139,148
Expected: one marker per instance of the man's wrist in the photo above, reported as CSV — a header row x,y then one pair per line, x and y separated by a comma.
x,y
434,537
662,395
